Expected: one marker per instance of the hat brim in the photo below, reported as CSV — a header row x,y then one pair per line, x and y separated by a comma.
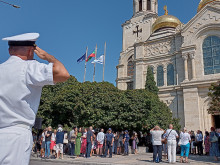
x,y
21,43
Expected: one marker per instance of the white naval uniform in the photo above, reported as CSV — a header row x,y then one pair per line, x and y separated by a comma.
x,y
21,84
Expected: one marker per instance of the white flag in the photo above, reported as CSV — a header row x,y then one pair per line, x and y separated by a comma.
x,y
100,60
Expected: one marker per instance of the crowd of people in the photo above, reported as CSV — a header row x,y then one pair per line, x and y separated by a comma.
x,y
89,142
185,142
83,142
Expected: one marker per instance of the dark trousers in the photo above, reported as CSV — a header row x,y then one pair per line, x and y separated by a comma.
x,y
157,150
88,149
108,146
126,147
200,148
72,149
115,146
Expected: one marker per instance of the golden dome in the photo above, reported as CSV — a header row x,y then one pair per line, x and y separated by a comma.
x,y
203,3
165,21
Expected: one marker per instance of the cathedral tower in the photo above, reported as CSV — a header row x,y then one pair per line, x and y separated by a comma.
x,y
139,27
145,5
135,32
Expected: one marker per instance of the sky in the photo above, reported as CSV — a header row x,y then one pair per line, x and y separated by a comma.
x,y
67,27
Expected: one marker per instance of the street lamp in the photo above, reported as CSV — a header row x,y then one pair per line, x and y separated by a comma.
x,y
15,6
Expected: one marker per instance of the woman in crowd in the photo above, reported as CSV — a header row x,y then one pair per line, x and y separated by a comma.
x,y
84,143
185,145
214,148
164,144
134,143
65,143
120,143
116,137
207,143
78,142
94,142
42,142
53,142
193,146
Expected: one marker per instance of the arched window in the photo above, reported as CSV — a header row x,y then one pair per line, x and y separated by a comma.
x,y
140,5
211,55
160,76
130,69
148,4
170,74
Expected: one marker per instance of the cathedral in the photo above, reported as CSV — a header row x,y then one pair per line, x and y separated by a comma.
x,y
185,58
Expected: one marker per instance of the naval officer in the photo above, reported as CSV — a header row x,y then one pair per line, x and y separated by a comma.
x,y
21,82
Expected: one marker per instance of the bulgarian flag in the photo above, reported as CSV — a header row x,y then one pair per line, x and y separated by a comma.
x,y
90,56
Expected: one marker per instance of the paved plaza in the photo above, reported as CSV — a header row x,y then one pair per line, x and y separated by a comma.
x,y
139,159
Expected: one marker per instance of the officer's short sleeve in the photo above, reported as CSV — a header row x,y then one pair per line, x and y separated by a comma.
x,y
39,74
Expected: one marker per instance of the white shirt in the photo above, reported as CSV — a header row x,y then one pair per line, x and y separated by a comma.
x,y
53,137
43,135
156,137
185,138
199,137
101,137
71,133
21,84
172,134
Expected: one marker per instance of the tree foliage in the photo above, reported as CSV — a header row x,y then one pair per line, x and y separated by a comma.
x,y
214,94
102,105
150,82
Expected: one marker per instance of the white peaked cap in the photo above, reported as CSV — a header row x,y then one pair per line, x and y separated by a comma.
x,y
23,37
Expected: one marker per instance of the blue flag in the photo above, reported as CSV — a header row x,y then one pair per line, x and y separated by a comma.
x,y
82,58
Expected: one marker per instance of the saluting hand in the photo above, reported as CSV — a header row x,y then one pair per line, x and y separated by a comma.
x,y
42,54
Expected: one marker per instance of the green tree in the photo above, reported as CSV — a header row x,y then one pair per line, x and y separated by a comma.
x,y
214,94
102,105
150,82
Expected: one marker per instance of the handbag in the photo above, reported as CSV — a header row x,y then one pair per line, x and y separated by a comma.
x,y
214,139
164,141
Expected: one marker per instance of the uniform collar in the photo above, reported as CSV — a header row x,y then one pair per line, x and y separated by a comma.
x,y
13,57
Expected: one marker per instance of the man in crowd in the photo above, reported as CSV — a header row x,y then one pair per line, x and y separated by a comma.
x,y
157,133
171,136
126,143
89,142
21,81
109,143
59,142
100,140
48,141
199,141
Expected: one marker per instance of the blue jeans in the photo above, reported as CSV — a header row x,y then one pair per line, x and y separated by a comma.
x,y
88,149
157,150
72,149
47,149
126,147
108,147
185,149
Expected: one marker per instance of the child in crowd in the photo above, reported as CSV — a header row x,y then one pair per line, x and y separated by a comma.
x,y
193,147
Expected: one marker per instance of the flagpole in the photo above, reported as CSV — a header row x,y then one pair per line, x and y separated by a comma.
x,y
85,65
104,63
95,63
